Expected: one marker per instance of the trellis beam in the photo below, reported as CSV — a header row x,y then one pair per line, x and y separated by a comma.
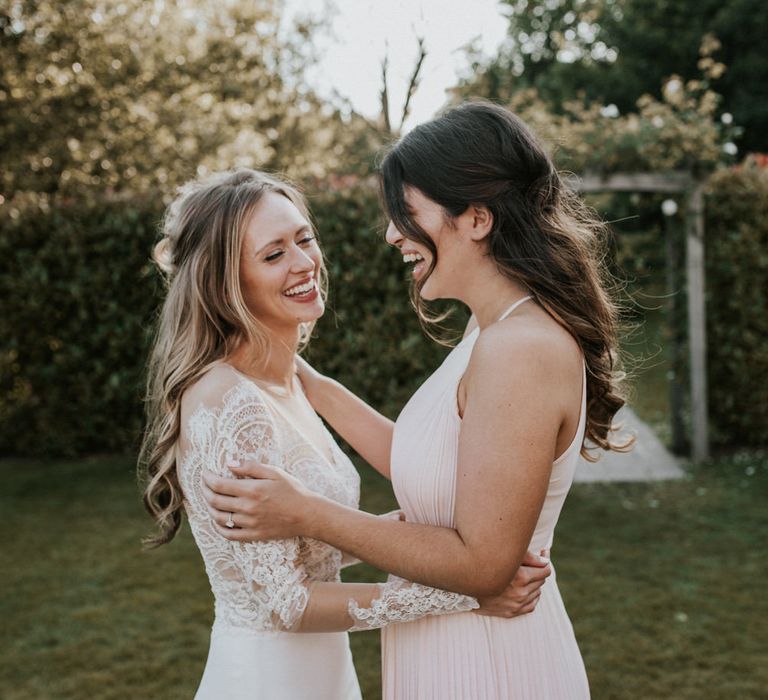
x,y
673,182
681,183
697,320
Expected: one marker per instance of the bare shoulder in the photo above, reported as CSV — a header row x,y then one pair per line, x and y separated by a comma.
x,y
211,387
532,346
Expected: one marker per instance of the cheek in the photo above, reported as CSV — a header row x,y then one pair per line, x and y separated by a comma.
x,y
249,282
317,257
259,285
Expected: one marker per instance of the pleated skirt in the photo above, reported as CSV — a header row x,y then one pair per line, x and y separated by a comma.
x,y
473,657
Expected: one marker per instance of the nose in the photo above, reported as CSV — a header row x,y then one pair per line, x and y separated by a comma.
x,y
302,261
393,236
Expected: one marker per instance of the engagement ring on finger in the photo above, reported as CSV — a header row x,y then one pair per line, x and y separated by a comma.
x,y
230,521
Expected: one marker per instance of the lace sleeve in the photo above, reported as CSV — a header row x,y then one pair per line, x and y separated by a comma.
x,y
403,601
266,579
265,585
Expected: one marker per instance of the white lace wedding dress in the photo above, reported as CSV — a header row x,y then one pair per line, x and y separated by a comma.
x,y
270,595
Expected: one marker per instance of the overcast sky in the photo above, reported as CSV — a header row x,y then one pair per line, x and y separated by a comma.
x,y
363,29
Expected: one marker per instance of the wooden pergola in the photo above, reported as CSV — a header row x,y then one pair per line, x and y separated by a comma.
x,y
692,190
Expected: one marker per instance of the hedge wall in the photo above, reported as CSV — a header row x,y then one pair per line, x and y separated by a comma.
x,y
77,298
737,306
78,295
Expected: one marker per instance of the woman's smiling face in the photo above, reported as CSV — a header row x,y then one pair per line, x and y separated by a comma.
x,y
280,265
433,220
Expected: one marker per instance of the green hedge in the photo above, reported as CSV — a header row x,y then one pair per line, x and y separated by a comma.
x,y
737,306
78,298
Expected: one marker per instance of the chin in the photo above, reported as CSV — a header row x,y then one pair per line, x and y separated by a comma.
x,y
301,317
315,313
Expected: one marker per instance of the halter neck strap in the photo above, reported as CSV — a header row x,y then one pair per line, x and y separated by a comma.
x,y
513,307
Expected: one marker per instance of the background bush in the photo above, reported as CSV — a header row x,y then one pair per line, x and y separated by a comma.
x,y
737,305
78,299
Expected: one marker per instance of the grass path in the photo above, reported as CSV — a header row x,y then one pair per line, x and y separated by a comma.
x,y
665,584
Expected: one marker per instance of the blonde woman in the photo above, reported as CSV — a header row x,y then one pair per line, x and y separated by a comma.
x,y
245,286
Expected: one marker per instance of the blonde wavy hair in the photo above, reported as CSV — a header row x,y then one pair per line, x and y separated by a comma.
x,y
203,318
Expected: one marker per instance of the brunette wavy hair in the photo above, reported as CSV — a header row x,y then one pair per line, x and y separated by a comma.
x,y
543,235
203,317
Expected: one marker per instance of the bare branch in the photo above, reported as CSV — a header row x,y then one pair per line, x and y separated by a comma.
x,y
414,83
385,93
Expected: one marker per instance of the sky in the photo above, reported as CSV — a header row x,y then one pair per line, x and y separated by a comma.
x,y
362,31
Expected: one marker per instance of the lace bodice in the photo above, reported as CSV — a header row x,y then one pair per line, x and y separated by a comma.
x,y
269,586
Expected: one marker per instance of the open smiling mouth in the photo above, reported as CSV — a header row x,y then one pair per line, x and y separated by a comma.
x,y
418,259
306,291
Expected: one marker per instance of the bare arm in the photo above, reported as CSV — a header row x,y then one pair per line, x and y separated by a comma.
x,y
365,429
505,458
355,606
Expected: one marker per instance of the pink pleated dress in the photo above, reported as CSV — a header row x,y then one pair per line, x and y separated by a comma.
x,y
466,656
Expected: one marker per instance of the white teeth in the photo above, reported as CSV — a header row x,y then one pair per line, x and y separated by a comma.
x,y
300,289
412,257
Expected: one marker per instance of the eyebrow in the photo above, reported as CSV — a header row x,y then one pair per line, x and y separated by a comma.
x,y
299,230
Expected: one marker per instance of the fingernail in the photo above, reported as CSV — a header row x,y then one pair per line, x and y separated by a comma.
x,y
544,560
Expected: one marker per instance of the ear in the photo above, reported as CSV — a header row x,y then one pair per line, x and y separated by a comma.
x,y
480,222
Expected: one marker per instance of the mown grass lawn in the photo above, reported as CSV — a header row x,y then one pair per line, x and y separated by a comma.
x,y
665,584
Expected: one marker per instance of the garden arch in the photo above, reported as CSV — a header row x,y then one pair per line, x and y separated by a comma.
x,y
692,189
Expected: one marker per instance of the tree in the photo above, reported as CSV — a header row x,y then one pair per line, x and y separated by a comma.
x,y
135,95
614,51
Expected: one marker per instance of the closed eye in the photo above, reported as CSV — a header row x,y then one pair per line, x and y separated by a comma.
x,y
308,238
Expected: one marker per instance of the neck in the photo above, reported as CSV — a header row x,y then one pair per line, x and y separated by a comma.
x,y
277,367
490,294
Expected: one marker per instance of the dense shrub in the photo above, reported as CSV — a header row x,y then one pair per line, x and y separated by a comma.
x,y
78,299
737,305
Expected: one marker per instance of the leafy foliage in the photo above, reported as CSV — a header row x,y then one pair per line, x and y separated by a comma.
x,y
612,51
676,131
78,297
737,305
143,96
